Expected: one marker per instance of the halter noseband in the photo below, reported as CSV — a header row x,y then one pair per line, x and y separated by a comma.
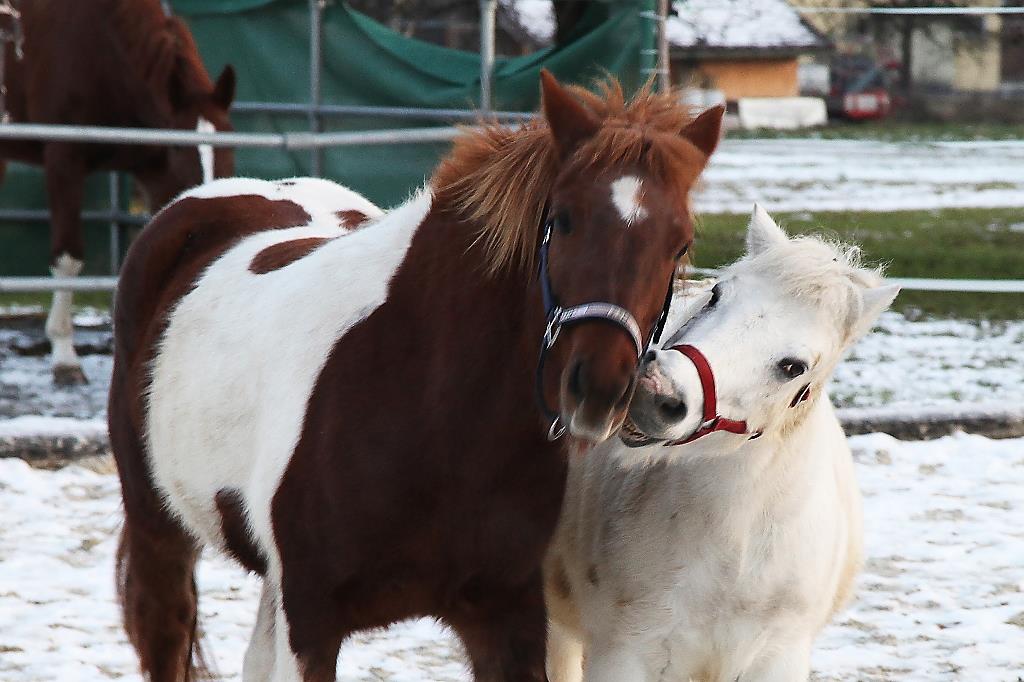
x,y
556,317
712,421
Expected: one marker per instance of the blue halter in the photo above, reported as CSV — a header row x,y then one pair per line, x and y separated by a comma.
x,y
556,317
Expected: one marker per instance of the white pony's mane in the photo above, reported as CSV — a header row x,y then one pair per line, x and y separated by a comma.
x,y
815,269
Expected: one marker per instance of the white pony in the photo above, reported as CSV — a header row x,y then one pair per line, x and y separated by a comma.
x,y
721,558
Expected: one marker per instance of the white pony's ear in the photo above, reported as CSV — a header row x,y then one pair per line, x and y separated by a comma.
x,y
763,232
875,301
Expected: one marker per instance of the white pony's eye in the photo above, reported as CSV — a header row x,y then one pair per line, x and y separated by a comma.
x,y
791,368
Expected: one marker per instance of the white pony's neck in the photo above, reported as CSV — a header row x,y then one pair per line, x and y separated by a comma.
x,y
763,474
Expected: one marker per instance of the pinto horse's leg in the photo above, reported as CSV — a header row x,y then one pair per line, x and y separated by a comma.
x,y
307,638
156,557
156,560
505,636
65,178
258,665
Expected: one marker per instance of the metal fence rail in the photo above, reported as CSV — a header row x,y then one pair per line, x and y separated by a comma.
x,y
190,138
355,110
986,286
977,286
21,285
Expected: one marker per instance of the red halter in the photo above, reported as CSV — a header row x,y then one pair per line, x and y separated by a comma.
x,y
712,420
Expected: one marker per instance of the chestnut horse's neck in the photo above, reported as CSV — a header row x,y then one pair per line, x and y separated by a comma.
x,y
476,332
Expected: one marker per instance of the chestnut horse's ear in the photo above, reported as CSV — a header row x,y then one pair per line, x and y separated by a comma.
x,y
224,90
706,130
571,123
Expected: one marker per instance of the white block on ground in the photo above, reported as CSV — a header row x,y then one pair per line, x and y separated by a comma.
x,y
781,113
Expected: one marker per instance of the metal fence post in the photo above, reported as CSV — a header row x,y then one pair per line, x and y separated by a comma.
x,y
115,225
488,9
649,40
316,9
664,72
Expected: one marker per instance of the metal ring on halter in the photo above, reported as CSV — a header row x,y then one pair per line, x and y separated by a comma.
x,y
556,430
553,328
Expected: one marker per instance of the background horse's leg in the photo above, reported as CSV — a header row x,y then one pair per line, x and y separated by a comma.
x,y
65,178
505,636
258,664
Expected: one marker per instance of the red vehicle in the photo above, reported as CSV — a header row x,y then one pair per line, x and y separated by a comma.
x,y
859,89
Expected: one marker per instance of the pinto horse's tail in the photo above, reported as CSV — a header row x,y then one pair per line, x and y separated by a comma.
x,y
156,561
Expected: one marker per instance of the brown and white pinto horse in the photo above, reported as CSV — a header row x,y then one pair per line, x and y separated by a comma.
x,y
352,414
107,63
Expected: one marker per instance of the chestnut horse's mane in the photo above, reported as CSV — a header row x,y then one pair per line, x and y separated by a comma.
x,y
501,177
160,48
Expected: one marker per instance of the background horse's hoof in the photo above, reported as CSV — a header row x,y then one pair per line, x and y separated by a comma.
x,y
69,375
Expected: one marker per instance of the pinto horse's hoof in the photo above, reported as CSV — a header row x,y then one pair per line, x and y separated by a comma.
x,y
69,375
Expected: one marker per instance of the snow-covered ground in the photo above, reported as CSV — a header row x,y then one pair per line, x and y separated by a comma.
x,y
941,597
933,362
834,175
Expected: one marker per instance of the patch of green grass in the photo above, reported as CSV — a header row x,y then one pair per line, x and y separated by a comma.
x,y
893,131
83,299
968,243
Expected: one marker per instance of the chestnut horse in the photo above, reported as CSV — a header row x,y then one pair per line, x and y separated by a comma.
x,y
354,415
106,63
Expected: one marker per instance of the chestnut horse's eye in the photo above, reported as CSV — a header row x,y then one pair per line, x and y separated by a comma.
x,y
792,368
561,223
682,252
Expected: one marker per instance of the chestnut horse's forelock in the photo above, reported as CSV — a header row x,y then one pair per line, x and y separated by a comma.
x,y
501,177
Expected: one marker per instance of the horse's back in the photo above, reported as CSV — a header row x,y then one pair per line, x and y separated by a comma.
x,y
191,232
191,310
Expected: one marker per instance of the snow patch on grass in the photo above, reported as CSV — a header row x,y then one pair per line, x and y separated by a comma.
x,y
861,175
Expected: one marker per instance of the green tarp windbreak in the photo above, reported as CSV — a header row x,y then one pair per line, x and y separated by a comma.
x,y
364,63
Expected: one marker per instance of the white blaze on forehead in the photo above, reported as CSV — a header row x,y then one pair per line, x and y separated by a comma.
x,y
205,150
626,197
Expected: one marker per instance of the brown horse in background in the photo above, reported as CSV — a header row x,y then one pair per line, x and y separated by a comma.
x,y
106,63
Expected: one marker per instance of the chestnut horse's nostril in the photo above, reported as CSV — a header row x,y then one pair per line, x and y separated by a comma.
x,y
649,356
671,409
576,387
